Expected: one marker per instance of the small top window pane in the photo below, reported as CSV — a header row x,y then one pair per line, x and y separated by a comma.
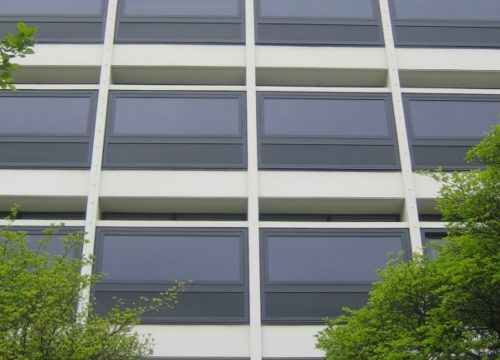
x,y
459,119
487,10
162,258
181,8
357,9
51,7
32,115
328,259
176,116
325,117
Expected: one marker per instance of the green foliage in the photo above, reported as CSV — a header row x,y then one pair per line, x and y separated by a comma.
x,y
39,294
442,308
11,46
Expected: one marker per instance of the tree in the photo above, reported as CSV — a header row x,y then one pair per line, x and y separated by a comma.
x,y
13,46
39,293
447,307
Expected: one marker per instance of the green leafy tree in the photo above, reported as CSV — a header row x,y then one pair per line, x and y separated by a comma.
x,y
447,307
39,293
12,46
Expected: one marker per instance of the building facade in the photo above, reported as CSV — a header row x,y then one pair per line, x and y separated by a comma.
x,y
267,150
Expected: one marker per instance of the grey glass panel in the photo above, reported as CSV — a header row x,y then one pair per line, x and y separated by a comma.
x,y
325,117
328,259
317,8
201,306
157,258
176,116
44,115
181,8
51,7
448,9
176,155
449,119
311,305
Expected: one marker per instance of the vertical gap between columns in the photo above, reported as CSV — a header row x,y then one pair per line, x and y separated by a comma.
x,y
92,211
252,187
410,208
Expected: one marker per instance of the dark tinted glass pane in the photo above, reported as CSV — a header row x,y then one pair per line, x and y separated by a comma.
x,y
325,117
176,116
204,307
157,258
51,7
317,8
431,118
328,259
305,305
30,115
448,9
181,7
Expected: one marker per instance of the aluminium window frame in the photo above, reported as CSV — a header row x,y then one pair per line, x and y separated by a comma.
x,y
389,140
327,22
181,20
228,287
459,25
466,142
86,138
72,23
298,287
240,140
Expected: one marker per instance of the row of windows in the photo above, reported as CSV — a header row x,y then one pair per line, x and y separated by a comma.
x,y
207,130
319,22
306,274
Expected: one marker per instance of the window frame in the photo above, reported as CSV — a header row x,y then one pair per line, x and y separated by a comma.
x,y
441,142
329,22
389,140
223,287
443,24
61,20
111,139
297,287
86,138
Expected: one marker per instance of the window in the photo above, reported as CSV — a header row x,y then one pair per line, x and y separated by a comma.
x,y
446,23
46,129
326,131
176,130
56,19
319,22
55,245
140,262
308,274
432,237
181,21
442,128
